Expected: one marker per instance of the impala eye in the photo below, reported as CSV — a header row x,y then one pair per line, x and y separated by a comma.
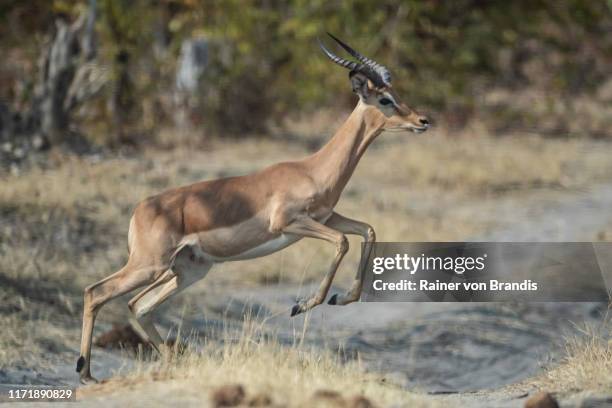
x,y
385,101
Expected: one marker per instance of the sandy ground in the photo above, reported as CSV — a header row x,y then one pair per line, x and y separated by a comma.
x,y
471,354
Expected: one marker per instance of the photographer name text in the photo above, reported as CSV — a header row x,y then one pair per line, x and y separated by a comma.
x,y
458,265
437,285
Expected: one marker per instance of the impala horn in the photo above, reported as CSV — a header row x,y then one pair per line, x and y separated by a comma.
x,y
377,73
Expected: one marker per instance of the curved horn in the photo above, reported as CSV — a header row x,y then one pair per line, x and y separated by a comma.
x,y
379,69
342,62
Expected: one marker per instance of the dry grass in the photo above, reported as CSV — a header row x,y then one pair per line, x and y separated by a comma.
x,y
64,226
288,375
405,186
479,165
587,365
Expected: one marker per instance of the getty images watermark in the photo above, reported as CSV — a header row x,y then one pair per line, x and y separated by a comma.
x,y
488,271
459,265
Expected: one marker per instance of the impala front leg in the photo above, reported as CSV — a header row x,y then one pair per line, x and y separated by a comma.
x,y
307,227
349,226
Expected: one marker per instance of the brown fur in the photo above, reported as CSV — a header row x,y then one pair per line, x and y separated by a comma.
x,y
175,237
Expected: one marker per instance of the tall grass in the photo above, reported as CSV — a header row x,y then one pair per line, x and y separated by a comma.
x,y
587,364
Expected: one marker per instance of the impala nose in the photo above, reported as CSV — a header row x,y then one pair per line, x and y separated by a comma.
x,y
424,121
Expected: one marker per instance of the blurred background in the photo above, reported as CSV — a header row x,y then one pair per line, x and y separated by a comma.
x,y
106,102
120,72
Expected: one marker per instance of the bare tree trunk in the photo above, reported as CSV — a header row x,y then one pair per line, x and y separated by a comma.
x,y
57,75
193,61
89,42
67,76
121,100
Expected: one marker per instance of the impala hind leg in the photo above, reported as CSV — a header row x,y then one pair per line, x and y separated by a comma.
x,y
185,272
144,325
353,227
121,282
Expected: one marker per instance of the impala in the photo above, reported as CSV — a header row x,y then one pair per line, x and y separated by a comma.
x,y
177,236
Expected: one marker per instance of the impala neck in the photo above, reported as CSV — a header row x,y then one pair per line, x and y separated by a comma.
x,y
333,165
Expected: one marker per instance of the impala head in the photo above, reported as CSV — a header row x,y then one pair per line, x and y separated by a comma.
x,y
372,82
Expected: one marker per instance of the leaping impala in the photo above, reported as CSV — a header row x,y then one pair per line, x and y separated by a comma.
x,y
177,236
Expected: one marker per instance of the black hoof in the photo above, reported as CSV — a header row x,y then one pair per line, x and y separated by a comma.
x,y
295,310
333,300
80,364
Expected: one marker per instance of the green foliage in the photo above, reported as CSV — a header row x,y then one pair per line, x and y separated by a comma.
x,y
265,60
438,52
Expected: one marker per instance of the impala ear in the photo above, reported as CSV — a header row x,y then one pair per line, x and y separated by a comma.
x,y
359,82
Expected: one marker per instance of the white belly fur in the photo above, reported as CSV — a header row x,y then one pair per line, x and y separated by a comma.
x,y
267,248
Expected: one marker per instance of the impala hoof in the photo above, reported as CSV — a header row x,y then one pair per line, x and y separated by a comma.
x,y
333,300
87,380
80,364
296,309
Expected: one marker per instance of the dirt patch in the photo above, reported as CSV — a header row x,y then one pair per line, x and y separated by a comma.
x,y
331,398
229,395
122,337
541,400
